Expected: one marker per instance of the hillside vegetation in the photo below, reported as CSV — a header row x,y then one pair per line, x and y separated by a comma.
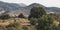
x,y
32,17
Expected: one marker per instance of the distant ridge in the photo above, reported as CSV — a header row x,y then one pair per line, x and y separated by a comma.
x,y
16,9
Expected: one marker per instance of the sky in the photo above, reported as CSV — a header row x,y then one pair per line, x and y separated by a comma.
x,y
47,3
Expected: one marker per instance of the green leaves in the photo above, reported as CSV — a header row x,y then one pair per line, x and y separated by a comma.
x,y
33,21
45,23
4,16
37,12
21,16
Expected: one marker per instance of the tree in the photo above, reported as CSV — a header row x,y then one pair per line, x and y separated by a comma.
x,y
36,12
21,16
33,21
4,16
45,23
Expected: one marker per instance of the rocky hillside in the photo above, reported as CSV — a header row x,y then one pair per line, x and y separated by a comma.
x,y
16,9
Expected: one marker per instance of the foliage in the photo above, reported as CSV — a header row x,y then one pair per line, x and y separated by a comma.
x,y
45,23
33,21
11,28
36,12
21,16
14,24
4,16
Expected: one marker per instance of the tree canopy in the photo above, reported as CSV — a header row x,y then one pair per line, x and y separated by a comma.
x,y
21,15
37,12
45,23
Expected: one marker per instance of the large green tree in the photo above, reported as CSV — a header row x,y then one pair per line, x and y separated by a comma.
x,y
46,23
37,12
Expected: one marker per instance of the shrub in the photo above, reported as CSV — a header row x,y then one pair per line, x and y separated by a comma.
x,y
4,16
14,24
21,16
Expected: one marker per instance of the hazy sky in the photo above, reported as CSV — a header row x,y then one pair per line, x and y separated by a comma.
x,y
48,3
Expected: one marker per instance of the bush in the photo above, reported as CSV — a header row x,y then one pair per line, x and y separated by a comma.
x,y
14,24
33,21
21,16
4,16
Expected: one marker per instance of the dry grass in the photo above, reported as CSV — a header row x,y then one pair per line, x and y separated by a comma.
x,y
11,20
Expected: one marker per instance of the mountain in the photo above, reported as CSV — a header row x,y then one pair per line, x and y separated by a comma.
x,y
7,6
22,5
54,9
11,6
16,9
4,6
17,12
47,9
26,10
34,5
